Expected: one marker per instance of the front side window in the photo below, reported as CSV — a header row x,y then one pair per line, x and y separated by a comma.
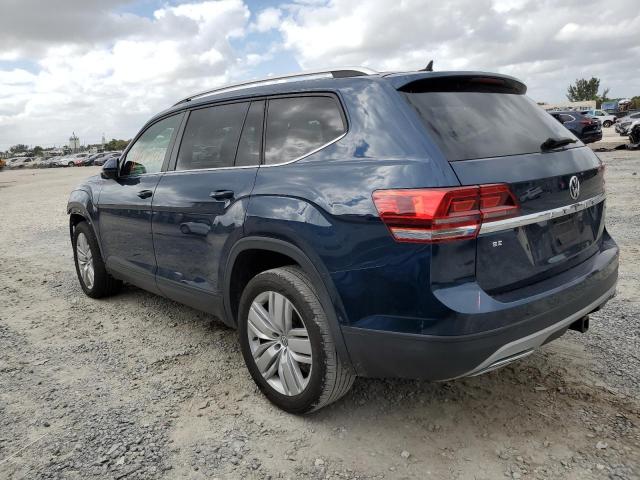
x,y
148,152
211,137
299,125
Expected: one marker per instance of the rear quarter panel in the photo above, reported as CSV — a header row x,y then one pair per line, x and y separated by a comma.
x,y
322,203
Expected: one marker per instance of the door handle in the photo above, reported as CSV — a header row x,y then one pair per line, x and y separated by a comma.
x,y
222,194
145,193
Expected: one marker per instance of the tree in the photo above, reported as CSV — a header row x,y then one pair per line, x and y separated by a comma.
x,y
19,148
37,151
584,90
116,144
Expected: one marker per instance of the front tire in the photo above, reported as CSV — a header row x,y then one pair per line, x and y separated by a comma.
x,y
94,279
286,342
606,123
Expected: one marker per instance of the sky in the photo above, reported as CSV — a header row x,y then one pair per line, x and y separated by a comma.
x,y
97,67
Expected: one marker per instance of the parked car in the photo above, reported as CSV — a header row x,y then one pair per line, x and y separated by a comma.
x,y
585,128
3,163
78,159
20,162
625,124
105,156
89,159
64,161
428,225
606,119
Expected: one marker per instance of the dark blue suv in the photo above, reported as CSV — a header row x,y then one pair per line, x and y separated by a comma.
x,y
429,225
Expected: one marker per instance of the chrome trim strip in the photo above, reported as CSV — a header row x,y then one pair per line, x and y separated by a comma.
x,y
338,138
503,362
535,340
521,221
422,234
323,73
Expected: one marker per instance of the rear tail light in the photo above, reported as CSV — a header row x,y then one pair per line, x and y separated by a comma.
x,y
434,215
587,121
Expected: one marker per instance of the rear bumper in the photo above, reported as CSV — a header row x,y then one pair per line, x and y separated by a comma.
x,y
592,137
542,317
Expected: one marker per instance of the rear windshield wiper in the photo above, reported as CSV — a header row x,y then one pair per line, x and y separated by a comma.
x,y
551,143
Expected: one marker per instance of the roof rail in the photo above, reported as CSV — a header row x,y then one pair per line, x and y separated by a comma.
x,y
307,75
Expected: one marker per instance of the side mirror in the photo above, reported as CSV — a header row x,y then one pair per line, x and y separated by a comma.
x,y
110,169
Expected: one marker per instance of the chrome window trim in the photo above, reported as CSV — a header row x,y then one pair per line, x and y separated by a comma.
x,y
521,221
339,137
262,165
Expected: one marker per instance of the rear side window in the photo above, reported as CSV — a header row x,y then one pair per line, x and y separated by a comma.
x,y
481,120
299,125
211,137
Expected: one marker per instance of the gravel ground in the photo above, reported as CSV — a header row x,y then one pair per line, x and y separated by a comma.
x,y
136,386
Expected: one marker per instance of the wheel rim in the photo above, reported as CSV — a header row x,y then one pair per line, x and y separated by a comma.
x,y
85,260
279,343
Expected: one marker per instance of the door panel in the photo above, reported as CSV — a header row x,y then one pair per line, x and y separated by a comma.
x,y
125,226
191,230
198,214
124,205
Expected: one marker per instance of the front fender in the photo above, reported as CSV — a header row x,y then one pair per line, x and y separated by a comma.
x,y
81,203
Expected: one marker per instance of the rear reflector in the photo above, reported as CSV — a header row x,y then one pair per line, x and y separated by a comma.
x,y
433,215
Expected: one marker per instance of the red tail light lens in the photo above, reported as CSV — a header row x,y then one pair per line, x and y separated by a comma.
x,y
442,214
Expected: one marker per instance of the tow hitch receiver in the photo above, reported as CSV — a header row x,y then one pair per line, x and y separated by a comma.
x,y
581,325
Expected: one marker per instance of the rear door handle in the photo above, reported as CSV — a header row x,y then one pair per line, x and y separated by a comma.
x,y
145,193
222,194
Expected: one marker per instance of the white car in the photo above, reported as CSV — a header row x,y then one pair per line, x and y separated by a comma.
x,y
606,119
625,124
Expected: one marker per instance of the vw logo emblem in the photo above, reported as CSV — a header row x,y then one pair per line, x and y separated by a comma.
x,y
574,187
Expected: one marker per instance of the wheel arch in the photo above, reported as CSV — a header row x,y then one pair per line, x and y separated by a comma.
x,y
78,209
325,289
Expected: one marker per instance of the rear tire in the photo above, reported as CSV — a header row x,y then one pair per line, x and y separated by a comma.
x,y
300,370
94,279
606,123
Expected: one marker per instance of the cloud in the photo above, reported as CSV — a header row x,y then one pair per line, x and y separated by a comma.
x,y
91,86
268,19
95,66
546,43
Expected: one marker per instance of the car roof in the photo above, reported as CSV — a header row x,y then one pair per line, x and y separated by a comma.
x,y
306,85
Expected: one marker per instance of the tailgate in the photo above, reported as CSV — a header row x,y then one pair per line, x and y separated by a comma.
x,y
561,220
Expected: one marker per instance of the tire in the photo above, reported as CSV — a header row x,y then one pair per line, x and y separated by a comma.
x,y
606,123
88,257
70,164
322,378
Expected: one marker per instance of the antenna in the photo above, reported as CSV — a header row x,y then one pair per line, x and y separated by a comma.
x,y
428,68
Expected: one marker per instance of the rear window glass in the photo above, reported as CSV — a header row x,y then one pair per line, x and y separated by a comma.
x,y
469,124
299,125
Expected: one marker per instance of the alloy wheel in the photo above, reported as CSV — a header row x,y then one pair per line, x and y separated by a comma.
x,y
279,343
85,260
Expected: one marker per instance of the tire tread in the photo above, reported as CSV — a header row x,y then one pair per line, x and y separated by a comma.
x,y
339,378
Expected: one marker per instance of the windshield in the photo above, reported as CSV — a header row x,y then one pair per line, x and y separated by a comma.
x,y
468,124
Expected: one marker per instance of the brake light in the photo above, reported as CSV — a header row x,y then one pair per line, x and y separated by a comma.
x,y
587,121
434,215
